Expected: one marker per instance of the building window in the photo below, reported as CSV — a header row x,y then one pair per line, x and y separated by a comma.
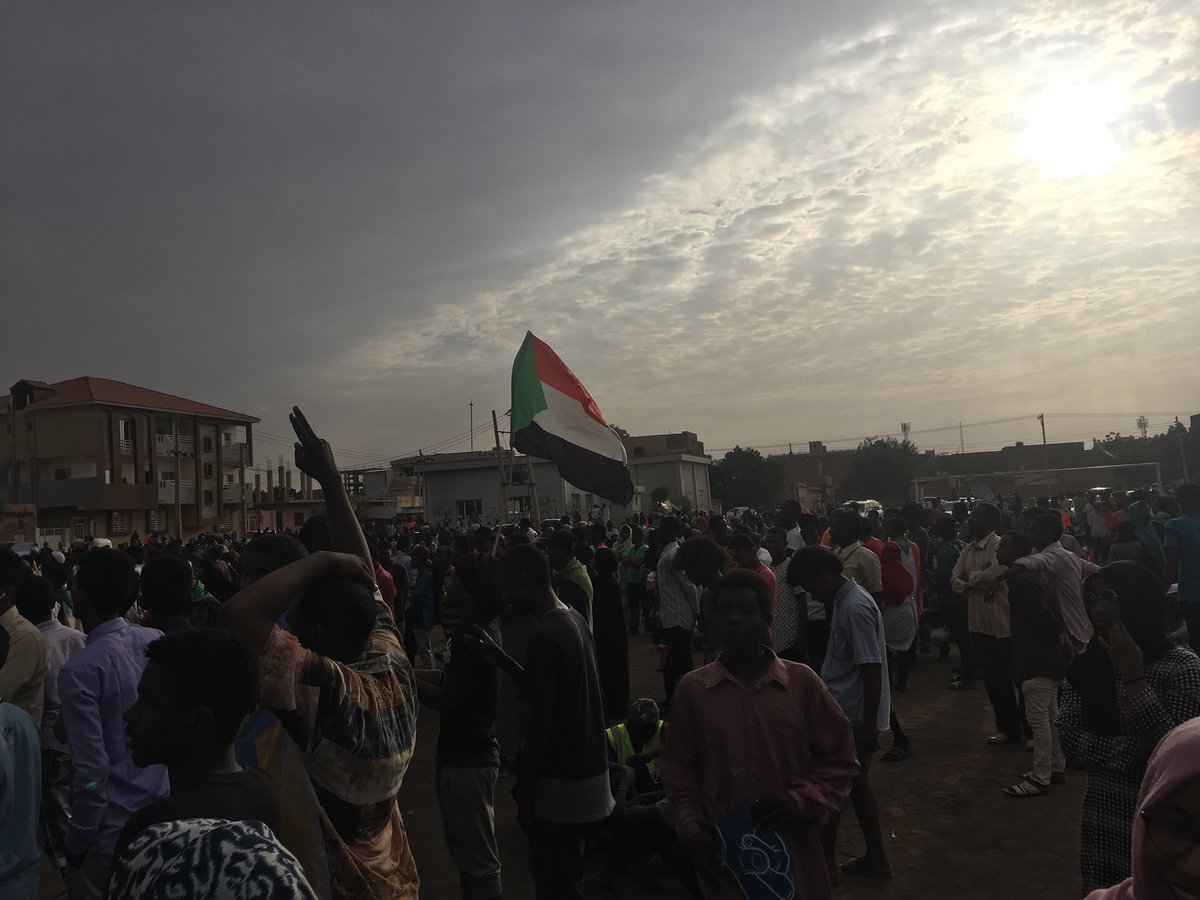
x,y
468,509
120,522
229,478
158,520
62,474
208,470
108,476
208,444
297,519
227,438
208,498
639,451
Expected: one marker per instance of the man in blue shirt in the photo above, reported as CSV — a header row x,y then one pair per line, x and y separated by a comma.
x,y
1182,546
855,671
20,790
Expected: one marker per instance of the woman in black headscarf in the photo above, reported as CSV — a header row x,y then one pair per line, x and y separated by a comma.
x,y
1122,694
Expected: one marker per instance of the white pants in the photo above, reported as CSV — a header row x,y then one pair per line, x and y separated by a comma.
x,y
1041,709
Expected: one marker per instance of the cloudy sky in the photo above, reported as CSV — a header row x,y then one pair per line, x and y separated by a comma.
x,y
763,222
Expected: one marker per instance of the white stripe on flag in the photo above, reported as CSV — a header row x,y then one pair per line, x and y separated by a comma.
x,y
564,417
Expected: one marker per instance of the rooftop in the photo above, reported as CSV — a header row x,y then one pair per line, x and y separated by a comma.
x,y
89,390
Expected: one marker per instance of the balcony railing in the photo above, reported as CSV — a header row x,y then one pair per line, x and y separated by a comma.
x,y
232,493
187,491
126,445
231,454
164,445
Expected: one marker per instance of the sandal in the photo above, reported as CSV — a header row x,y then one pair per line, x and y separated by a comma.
x,y
1026,788
897,754
860,867
960,685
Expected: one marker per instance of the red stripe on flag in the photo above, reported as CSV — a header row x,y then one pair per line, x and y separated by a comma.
x,y
554,372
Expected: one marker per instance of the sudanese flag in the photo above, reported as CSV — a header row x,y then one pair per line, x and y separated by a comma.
x,y
555,418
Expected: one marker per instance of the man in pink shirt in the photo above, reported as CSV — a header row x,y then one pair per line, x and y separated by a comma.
x,y
1062,572
751,727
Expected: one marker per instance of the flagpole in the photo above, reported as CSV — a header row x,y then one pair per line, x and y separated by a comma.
x,y
503,481
535,512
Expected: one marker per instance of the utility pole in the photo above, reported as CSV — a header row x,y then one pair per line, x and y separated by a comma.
x,y
1143,425
242,483
962,444
471,404
178,502
905,428
1045,453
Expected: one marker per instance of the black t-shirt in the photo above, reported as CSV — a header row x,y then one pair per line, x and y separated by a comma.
x,y
467,736
247,796
561,681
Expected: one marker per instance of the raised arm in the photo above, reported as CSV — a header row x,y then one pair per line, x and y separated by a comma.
x,y
314,457
254,611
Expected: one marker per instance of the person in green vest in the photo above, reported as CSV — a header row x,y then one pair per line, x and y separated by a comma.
x,y
572,583
637,743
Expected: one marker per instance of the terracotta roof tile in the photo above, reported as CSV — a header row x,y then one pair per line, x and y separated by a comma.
x,y
87,390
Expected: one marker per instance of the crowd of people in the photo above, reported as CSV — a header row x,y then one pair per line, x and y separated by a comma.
x,y
234,717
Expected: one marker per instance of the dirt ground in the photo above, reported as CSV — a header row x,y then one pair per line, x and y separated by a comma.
x,y
950,831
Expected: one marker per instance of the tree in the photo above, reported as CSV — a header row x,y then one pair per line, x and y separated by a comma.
x,y
744,477
660,493
883,469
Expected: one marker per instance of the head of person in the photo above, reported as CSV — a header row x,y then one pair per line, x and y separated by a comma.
x,y
911,514
961,511
167,586
669,529
105,586
702,561
1127,533
266,553
896,528
524,576
605,562
1045,529
810,528
35,599
743,603
946,528
13,573
585,553
196,690
789,514
560,548
744,551
817,570
597,534
637,535
473,587
641,719
403,542
983,519
1129,594
845,528
1188,496
334,617
775,543
1164,858
1013,545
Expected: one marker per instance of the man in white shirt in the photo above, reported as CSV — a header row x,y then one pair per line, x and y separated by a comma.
x,y
23,675
678,603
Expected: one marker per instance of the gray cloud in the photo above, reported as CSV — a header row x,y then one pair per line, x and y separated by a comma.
x,y
765,223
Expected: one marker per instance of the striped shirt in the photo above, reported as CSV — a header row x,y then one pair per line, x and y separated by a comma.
x,y
677,597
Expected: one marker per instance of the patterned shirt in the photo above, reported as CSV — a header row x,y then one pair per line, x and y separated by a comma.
x,y
984,615
787,608
355,726
678,600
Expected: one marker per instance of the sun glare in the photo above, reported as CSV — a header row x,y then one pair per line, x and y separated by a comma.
x,y
1067,130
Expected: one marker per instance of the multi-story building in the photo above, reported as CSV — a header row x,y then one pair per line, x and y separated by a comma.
x,y
103,458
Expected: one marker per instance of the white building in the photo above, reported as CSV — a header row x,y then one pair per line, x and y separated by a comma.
x,y
491,488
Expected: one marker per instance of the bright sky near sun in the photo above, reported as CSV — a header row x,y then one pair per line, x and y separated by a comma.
x,y
762,223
